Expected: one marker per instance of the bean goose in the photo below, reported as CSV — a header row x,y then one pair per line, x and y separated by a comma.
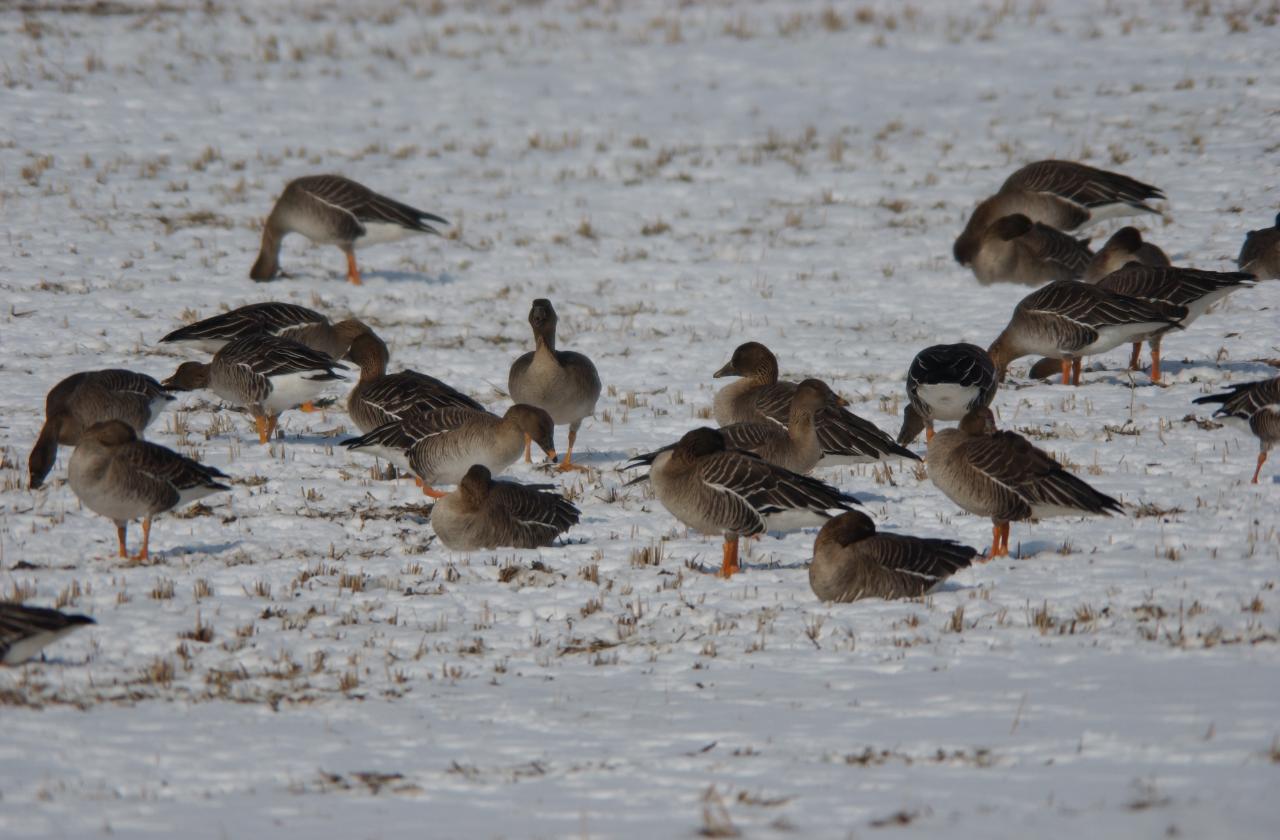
x,y
89,397
1069,320
563,383
333,210
1001,475
282,320
1061,194
1260,253
484,514
852,561
1016,250
716,490
439,446
122,478
380,397
1256,407
25,630
760,397
1188,287
946,382
1125,246
263,373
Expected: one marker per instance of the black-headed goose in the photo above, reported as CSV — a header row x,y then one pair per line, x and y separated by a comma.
x,y
946,382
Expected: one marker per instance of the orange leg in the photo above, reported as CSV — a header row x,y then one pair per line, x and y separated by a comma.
x,y
1004,539
928,433
353,273
568,464
1135,359
1066,371
729,562
1155,361
308,407
263,434
142,555
428,490
1076,364
124,553
994,551
528,449
1262,459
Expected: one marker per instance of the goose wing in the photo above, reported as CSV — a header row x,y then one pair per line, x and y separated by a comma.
x,y
774,401
409,392
749,488
178,472
917,564
1175,286
841,432
1082,184
1057,248
272,317
1010,461
1245,400
363,205
534,517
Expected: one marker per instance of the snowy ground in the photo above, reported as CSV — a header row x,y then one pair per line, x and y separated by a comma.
x,y
302,660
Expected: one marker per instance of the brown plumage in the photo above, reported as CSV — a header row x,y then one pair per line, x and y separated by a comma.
x,y
1125,246
1260,253
282,320
485,514
380,397
1254,406
1015,249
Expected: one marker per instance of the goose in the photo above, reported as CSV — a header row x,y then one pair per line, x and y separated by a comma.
x,y
1256,407
1188,287
1069,320
486,514
263,373
563,383
439,446
282,320
1015,249
760,397
1061,194
852,561
1125,246
333,210
1260,253
25,630
1001,475
946,382
380,397
122,478
716,490
89,397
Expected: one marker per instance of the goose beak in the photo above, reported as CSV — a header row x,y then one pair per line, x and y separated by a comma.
x,y
727,370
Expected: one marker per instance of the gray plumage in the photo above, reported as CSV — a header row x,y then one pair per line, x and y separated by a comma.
x,y
1254,406
282,320
1016,250
486,514
25,630
946,382
1125,246
1260,253
380,397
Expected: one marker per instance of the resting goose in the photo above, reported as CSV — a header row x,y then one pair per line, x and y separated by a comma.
x,y
380,397
282,320
1255,406
716,490
333,210
759,397
1188,287
1125,246
484,514
263,373
1001,475
563,383
1015,249
1061,194
122,478
1260,253
1069,320
852,561
946,382
439,446
89,397
25,630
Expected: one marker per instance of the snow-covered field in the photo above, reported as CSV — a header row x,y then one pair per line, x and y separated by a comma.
x,y
302,660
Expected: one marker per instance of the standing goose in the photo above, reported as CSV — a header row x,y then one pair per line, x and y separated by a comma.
x,y
1256,406
1061,194
333,210
851,561
89,397
1001,475
380,397
122,478
263,373
715,490
759,397
25,630
1069,320
1260,253
282,320
563,383
439,446
1125,246
1015,249
946,382
1188,287
485,514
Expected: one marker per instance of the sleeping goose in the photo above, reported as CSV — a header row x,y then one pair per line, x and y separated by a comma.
x,y
1015,249
263,373
439,446
563,383
759,397
25,630
89,397
716,490
1125,246
945,382
282,320
122,478
1260,253
1001,475
333,210
485,514
1069,320
1061,194
852,561
1255,406
380,397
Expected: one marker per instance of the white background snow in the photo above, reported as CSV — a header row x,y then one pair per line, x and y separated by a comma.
x,y
677,178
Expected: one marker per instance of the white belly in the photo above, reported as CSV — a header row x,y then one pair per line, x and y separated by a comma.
x,y
293,389
947,400
378,232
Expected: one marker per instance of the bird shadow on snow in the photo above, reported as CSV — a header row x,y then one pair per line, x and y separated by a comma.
x,y
444,278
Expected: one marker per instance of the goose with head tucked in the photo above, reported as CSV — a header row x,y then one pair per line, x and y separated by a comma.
x,y
1015,249
1125,246
486,514
946,382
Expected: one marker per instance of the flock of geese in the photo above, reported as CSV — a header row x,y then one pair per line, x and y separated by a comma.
x,y
743,479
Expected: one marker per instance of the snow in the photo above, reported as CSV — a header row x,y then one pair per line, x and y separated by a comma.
x,y
677,179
